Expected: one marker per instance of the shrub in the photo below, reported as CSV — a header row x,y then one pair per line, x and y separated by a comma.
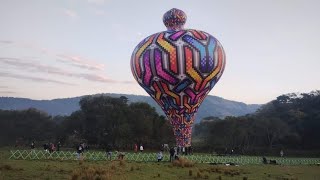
x,y
91,173
182,162
122,163
6,167
199,175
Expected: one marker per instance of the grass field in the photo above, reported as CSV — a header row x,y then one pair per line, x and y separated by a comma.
x,y
184,169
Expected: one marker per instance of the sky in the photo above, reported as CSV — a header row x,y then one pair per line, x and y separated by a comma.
x,y
67,48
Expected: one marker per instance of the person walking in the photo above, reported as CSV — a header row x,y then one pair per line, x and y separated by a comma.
x,y
141,148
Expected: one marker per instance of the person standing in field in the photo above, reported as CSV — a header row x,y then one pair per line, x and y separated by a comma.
x,y
51,147
160,156
281,153
46,147
172,152
135,148
141,148
175,151
109,152
58,146
32,146
79,151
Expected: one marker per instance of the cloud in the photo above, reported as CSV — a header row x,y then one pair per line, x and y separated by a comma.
x,y
35,79
8,92
6,42
80,62
4,87
73,60
70,13
99,78
33,66
128,82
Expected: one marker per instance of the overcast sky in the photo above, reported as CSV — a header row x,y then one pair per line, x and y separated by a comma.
x,y
65,48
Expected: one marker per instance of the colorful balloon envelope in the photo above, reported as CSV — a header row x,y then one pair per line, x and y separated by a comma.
x,y
178,68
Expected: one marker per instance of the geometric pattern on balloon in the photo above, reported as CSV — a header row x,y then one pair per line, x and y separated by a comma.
x,y
174,19
178,69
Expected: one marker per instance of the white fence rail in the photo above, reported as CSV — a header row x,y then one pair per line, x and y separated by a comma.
x,y
152,157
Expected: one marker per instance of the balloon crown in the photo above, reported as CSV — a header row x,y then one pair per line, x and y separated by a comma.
x,y
174,19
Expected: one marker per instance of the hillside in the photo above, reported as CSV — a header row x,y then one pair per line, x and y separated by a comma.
x,y
212,106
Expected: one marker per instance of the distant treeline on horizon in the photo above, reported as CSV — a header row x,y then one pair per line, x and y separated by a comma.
x,y
290,122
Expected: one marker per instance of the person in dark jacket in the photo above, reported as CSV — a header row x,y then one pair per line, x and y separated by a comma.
x,y
58,146
32,146
79,151
172,152
109,152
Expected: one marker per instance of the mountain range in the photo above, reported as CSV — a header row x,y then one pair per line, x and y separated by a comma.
x,y
211,106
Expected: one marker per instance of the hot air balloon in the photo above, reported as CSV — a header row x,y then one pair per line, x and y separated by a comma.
x,y
178,68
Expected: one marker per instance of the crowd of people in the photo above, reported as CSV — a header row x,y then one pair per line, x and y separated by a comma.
x,y
174,152
48,147
51,147
80,150
82,147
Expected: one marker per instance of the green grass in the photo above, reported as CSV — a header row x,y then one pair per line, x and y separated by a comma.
x,y
71,169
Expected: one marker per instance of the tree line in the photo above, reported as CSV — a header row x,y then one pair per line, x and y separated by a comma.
x,y
101,121
290,122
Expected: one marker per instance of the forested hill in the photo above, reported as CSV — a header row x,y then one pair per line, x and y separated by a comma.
x,y
292,121
212,106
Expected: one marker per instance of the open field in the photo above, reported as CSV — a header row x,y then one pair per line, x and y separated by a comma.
x,y
103,169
